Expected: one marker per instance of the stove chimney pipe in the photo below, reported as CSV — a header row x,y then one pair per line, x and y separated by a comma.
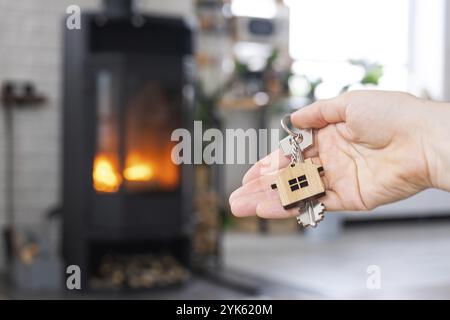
x,y
118,8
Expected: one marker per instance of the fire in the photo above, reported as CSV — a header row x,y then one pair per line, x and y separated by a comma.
x,y
138,172
106,178
137,168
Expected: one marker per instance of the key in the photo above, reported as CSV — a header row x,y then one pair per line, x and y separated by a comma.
x,y
306,142
310,210
308,215
308,218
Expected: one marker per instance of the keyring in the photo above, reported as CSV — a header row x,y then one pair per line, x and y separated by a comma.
x,y
284,124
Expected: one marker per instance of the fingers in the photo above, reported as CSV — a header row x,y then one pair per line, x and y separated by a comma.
x,y
246,206
272,209
257,197
274,162
267,165
321,113
262,183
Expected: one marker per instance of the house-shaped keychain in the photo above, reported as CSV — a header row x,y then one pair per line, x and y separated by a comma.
x,y
299,182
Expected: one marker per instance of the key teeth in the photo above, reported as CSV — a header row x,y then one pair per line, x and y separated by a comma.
x,y
319,208
309,224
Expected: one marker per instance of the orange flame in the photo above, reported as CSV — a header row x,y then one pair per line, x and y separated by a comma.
x,y
105,176
138,172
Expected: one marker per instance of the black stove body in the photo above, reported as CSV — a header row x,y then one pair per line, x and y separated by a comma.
x,y
127,86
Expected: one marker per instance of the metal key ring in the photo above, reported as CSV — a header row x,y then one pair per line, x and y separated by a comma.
x,y
284,124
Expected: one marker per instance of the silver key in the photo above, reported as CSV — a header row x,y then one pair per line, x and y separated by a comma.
x,y
286,144
304,218
310,211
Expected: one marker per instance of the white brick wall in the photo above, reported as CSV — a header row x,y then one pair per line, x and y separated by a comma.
x,y
30,49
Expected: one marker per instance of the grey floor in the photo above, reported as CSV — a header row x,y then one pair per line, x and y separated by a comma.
x,y
413,259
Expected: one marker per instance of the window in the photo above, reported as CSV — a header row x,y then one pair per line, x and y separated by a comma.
x,y
254,8
325,34
298,183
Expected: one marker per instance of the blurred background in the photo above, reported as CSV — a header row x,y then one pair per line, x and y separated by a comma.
x,y
85,172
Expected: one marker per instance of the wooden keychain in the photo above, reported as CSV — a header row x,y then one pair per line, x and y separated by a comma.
x,y
300,184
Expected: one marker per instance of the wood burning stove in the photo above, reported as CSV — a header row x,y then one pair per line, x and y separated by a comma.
x,y
127,85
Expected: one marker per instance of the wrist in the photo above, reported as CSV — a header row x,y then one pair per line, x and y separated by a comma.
x,y
436,144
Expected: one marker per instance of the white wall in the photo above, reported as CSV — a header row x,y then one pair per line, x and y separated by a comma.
x,y
429,73
427,48
30,49
447,53
183,8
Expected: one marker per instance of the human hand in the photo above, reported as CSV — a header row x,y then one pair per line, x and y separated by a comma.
x,y
376,147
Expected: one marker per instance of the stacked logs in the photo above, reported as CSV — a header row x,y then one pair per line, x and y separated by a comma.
x,y
207,227
138,272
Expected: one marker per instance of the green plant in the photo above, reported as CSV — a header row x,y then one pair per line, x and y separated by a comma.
x,y
373,72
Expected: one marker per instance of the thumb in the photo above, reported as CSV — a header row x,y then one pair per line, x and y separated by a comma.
x,y
320,113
